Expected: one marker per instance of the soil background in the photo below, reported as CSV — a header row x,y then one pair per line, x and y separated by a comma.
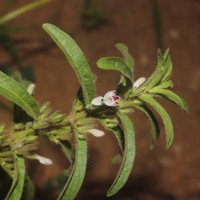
x,y
158,174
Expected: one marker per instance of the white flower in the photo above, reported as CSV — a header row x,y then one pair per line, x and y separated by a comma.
x,y
109,99
31,88
42,160
139,82
96,132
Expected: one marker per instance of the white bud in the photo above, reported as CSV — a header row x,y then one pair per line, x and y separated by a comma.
x,y
31,88
42,160
98,101
139,82
96,132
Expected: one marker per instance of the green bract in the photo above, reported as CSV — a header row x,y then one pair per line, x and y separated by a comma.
x,y
70,132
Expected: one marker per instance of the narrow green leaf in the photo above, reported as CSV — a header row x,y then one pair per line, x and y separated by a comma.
x,y
124,87
22,10
164,115
115,63
16,189
76,59
128,155
169,66
153,121
75,180
158,73
29,190
13,91
118,133
127,57
165,85
67,150
166,54
172,97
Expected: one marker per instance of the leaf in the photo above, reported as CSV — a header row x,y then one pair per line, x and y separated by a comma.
x,y
77,175
117,131
127,57
13,91
114,63
164,115
153,121
11,15
172,97
76,59
128,155
165,85
168,64
16,189
124,87
29,190
158,73
67,150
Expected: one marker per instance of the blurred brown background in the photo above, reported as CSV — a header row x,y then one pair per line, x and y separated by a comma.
x,y
157,174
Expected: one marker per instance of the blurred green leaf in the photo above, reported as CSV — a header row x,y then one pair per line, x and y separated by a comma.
x,y
29,190
16,189
13,91
128,155
114,63
165,85
76,58
11,15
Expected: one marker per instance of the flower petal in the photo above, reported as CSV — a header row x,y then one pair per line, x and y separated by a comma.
x,y
31,88
139,82
96,132
109,94
42,160
111,99
98,101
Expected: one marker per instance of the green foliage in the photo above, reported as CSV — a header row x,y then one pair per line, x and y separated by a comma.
x,y
70,132
165,117
127,56
128,155
113,63
76,58
16,189
13,91
11,15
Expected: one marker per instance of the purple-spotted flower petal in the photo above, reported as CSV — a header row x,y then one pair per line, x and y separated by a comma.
x,y
109,99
